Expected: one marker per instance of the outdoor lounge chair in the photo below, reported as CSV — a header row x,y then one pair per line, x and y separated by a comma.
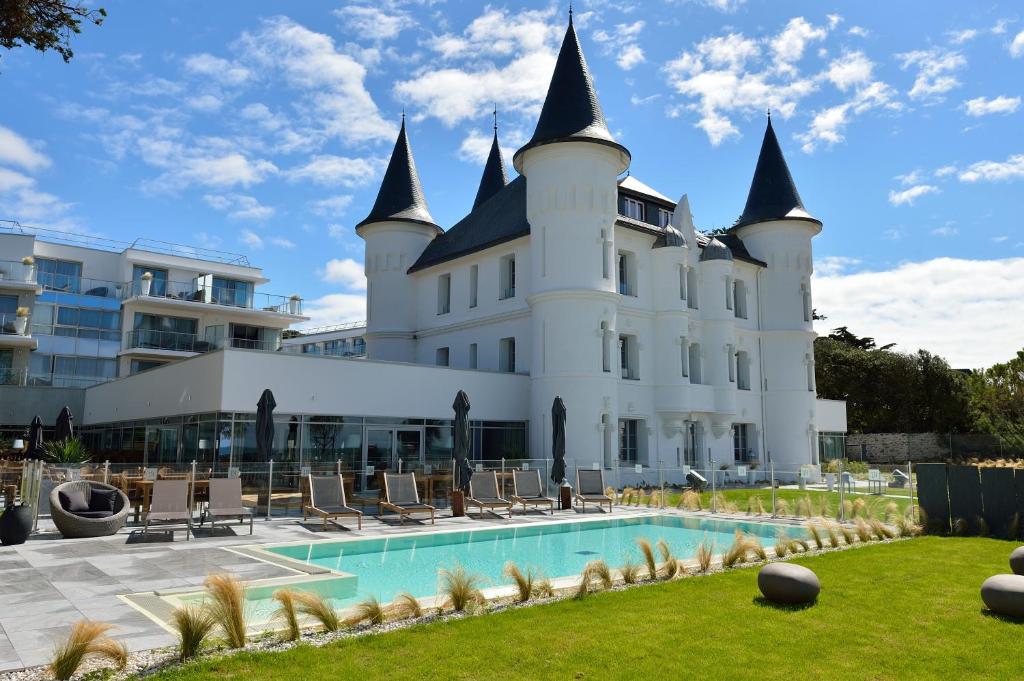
x,y
327,500
169,505
590,488
86,508
484,494
527,490
226,502
402,497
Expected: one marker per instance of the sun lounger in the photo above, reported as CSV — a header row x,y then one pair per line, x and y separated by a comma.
x,y
402,497
327,500
226,502
169,505
483,493
590,488
528,491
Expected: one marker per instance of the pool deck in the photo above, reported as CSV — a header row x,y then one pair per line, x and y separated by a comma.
x,y
49,582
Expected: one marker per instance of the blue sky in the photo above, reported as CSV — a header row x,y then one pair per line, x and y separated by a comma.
x,y
264,127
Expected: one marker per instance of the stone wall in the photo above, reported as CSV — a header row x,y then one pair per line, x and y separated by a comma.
x,y
897,447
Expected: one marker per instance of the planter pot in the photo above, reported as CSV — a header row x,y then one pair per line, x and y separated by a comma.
x,y
145,286
29,272
293,306
458,503
565,497
15,525
20,325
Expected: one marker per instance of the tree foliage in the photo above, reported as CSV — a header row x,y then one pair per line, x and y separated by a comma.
x,y
45,24
997,400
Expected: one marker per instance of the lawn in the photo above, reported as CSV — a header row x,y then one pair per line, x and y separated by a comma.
x,y
903,610
741,497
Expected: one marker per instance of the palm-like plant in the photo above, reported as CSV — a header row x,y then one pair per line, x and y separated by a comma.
x,y
68,452
193,623
87,639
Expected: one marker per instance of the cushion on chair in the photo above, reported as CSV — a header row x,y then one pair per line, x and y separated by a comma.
x,y
73,500
93,514
102,499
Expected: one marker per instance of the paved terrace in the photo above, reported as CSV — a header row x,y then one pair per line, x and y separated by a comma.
x,y
49,583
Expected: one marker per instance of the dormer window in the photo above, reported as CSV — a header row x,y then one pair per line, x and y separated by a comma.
x,y
664,217
633,208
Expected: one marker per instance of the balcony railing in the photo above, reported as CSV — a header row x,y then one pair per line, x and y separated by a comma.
x,y
13,325
145,339
15,270
508,292
86,286
213,295
13,376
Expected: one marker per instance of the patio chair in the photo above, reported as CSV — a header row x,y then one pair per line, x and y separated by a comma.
x,y
169,505
590,488
402,497
484,494
327,500
226,502
85,508
528,491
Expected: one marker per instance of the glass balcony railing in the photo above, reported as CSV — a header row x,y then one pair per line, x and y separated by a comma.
x,y
86,286
13,376
13,325
144,339
231,296
17,271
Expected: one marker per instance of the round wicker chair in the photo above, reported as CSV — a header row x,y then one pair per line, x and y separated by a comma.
x,y
72,526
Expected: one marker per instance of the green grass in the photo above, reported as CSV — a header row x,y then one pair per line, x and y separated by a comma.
x,y
741,496
906,610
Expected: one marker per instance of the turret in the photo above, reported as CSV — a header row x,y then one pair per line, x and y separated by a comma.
x,y
571,165
494,178
776,228
396,231
718,340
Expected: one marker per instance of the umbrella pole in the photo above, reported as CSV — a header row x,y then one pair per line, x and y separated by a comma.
x,y
270,486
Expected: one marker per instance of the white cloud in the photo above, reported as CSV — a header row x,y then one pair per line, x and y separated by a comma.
x,y
346,272
239,206
476,145
981,106
908,196
335,308
935,68
15,150
622,41
1017,46
852,69
963,36
859,31
893,234
789,45
331,206
334,98
501,59
630,56
217,69
330,170
206,103
828,125
21,199
913,177
725,6
184,166
373,22
251,239
281,242
945,231
995,171
834,264
937,305
945,171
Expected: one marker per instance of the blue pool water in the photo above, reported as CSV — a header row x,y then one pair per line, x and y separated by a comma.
x,y
385,567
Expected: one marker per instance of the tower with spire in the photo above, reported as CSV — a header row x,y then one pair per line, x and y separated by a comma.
x,y
396,231
777,229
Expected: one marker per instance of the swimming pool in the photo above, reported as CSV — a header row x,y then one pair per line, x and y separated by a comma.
x,y
384,567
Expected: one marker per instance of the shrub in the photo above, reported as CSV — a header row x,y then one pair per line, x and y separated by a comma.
x,y
863,530
812,528
461,588
544,588
648,554
87,639
881,530
408,606
961,527
781,544
669,562
704,554
630,572
833,536
848,535
317,607
287,613
781,507
524,583
227,605
193,624
369,610
66,452
690,500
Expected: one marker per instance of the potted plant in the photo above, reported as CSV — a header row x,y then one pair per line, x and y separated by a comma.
x,y
294,304
21,321
146,283
69,452
28,264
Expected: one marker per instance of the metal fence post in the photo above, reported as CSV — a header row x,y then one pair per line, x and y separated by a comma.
x,y
842,484
771,481
270,486
399,465
714,506
661,484
106,472
910,484
339,467
192,488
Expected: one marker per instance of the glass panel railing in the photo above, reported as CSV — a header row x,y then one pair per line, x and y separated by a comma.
x,y
196,292
17,271
13,325
65,283
147,339
13,376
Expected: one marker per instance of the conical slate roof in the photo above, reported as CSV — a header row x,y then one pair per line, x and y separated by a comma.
x,y
400,198
571,109
715,250
494,178
773,194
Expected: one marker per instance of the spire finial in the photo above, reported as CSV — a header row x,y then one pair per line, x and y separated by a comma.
x,y
495,118
570,11
769,113
403,115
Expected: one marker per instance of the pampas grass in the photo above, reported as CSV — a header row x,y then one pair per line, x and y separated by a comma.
x,y
781,544
690,500
800,544
863,530
315,606
848,510
803,507
369,610
227,605
670,564
848,535
193,623
892,510
600,571
755,547
461,588
87,639
742,546
524,583
906,527
824,508
630,572
544,588
881,530
705,552
858,507
833,536
648,554
781,507
755,506
812,528
408,606
287,613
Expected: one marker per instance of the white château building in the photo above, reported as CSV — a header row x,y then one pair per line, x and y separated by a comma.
x,y
669,348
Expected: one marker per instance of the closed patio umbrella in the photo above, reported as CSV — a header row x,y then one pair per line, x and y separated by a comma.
x,y
65,425
461,444
558,440
265,425
35,438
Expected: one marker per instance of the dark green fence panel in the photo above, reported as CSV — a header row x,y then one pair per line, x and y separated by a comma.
x,y
965,494
933,495
999,497
1018,483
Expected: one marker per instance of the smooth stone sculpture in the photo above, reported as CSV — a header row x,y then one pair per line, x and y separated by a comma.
x,y
788,583
1004,594
1017,560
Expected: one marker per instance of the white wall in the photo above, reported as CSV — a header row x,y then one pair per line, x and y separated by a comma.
x,y
830,416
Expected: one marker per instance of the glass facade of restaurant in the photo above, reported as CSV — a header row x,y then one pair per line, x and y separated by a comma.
x,y
222,440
